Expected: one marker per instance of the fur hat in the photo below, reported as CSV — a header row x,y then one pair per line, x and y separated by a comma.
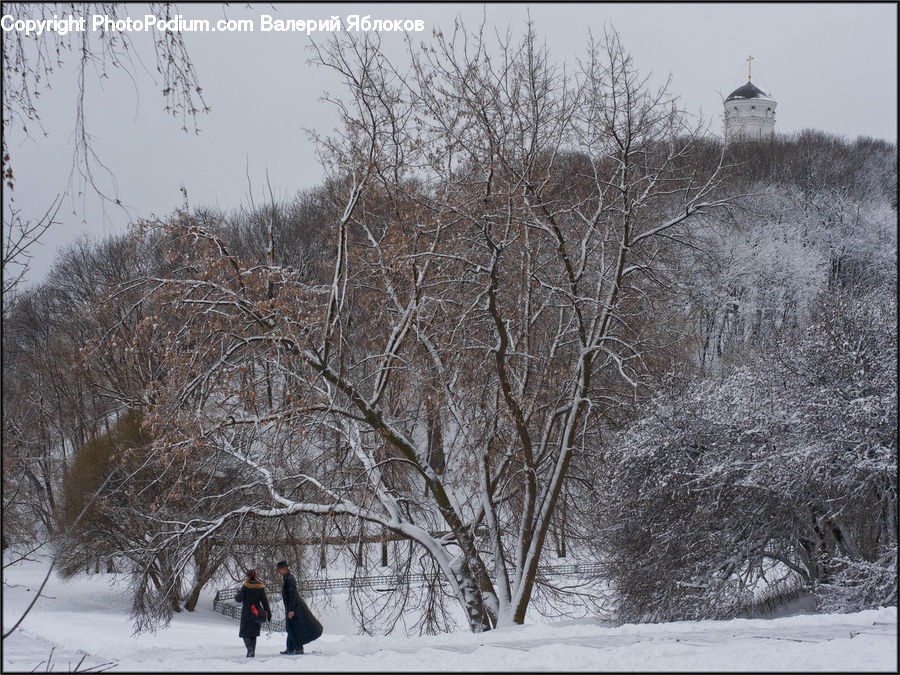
x,y
280,564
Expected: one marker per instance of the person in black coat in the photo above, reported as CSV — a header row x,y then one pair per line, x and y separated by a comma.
x,y
252,594
301,626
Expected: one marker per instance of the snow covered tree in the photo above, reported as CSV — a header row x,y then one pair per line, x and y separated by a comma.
x,y
785,468
502,219
820,219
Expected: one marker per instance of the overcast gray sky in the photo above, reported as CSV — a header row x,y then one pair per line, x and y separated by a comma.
x,y
829,66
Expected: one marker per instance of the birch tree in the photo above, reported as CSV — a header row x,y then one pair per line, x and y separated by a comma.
x,y
502,219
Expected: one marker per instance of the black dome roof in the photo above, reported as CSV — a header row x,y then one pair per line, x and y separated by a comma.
x,y
749,90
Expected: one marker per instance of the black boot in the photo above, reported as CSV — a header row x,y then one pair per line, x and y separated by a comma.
x,y
250,644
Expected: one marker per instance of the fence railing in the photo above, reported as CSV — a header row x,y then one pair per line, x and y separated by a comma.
x,y
223,603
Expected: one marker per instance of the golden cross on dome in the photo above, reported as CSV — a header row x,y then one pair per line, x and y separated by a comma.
x,y
749,59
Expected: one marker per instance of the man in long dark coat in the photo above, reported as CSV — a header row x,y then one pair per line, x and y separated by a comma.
x,y
299,622
251,594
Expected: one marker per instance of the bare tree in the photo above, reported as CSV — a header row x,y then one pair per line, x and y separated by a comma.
x,y
503,219
30,60
19,236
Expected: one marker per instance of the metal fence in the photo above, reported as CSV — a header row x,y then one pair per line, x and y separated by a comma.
x,y
223,603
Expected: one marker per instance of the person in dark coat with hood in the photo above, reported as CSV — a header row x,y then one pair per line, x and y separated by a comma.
x,y
299,622
255,604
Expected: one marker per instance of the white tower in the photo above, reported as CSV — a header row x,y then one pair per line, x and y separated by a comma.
x,y
749,113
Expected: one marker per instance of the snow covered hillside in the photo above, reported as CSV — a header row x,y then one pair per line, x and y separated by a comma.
x,y
89,618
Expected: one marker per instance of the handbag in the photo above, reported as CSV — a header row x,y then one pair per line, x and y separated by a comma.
x,y
258,612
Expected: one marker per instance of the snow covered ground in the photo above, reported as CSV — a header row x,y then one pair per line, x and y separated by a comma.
x,y
86,616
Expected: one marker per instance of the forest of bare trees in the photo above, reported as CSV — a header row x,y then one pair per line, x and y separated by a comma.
x,y
530,309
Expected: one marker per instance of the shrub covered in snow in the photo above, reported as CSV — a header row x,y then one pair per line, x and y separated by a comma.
x,y
786,467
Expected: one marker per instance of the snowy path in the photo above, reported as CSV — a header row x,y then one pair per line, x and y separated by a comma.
x,y
88,616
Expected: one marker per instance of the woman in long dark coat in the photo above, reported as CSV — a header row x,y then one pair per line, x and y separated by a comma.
x,y
252,593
